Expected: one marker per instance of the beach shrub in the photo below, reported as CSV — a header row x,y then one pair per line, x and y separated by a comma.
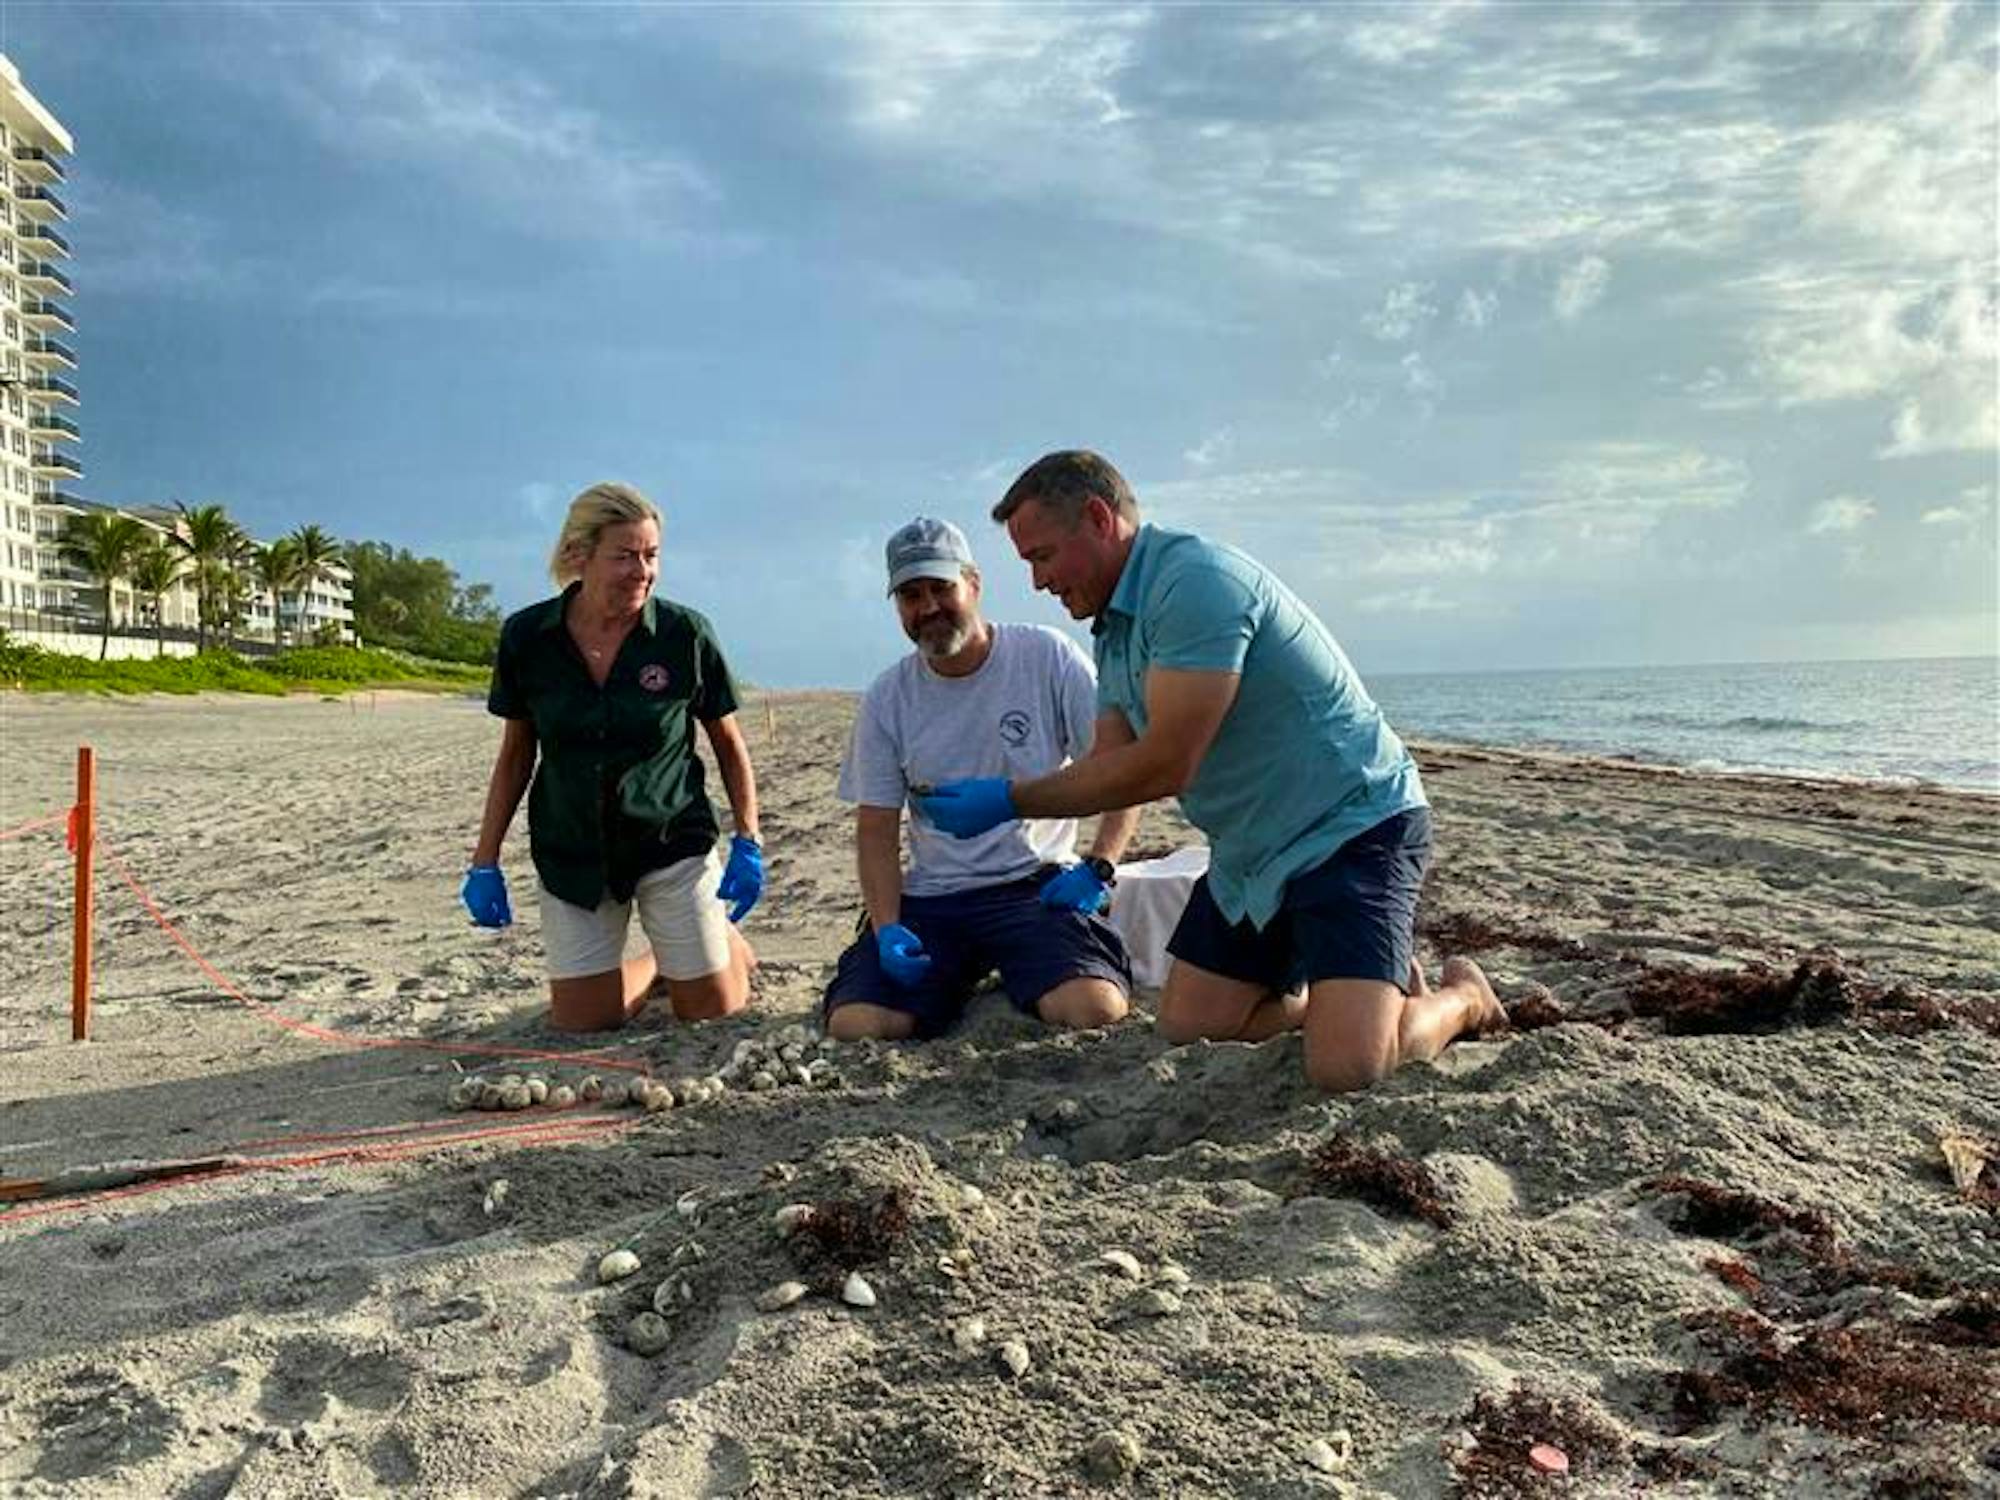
x,y
312,669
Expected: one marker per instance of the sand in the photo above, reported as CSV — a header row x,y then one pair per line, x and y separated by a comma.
x,y
367,1327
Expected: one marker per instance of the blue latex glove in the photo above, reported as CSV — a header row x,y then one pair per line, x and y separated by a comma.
x,y
1076,889
902,954
485,896
965,809
743,880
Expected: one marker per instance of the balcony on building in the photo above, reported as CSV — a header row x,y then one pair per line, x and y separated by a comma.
x,y
41,239
54,570
54,461
39,312
38,165
51,387
39,202
48,351
40,276
54,428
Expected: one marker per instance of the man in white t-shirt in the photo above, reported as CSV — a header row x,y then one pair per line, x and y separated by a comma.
x,y
974,699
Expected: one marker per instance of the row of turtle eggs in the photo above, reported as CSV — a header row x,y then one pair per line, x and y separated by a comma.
x,y
791,1056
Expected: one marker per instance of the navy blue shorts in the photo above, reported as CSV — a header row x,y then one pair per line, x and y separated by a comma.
x,y
968,935
1352,916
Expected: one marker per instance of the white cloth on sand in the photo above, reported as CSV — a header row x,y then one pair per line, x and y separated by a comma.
x,y
1147,904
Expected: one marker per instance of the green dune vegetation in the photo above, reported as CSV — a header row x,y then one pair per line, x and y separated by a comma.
x,y
308,669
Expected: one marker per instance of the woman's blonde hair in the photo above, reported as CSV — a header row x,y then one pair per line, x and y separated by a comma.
x,y
590,513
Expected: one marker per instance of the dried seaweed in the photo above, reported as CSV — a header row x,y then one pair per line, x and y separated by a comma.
x,y
1821,990
1790,1357
1536,1011
850,1233
1396,1184
1691,1002
1720,1213
1463,932
1861,1381
1923,1479
1504,1428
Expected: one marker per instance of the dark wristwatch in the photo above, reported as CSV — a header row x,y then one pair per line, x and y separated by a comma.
x,y
1103,869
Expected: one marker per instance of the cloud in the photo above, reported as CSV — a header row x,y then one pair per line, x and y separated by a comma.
x,y
425,98
1930,347
1947,515
1353,406
140,243
1420,381
1211,449
1476,308
1409,34
1405,312
1447,555
858,568
1842,513
1422,600
540,500
1608,497
1581,287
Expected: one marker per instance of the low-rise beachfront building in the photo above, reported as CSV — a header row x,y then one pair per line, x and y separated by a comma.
x,y
38,393
67,614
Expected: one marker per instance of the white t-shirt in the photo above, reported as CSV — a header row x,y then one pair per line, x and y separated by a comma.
x,y
1030,709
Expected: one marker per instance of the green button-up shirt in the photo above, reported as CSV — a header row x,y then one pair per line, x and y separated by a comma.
x,y
618,785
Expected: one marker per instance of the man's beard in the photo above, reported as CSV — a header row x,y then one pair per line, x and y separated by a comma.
x,y
937,639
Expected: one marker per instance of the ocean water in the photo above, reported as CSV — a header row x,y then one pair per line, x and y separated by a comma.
x,y
1934,720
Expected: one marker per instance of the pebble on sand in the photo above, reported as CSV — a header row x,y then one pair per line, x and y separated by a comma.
x,y
1014,1355
857,1292
1328,1457
616,1266
1125,1263
1548,1458
647,1334
783,1295
1113,1456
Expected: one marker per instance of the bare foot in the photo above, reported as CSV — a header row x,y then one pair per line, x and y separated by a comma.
x,y
1488,1014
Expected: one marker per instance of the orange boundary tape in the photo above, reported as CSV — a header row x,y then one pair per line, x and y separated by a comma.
x,y
29,827
347,1039
363,1145
537,1132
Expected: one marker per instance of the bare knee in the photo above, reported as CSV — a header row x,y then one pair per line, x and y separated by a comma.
x,y
1081,1004
860,1022
1179,1025
595,1002
1344,1073
711,997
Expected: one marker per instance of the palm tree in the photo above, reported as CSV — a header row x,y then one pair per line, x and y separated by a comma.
x,y
231,598
316,553
103,544
276,569
214,544
155,568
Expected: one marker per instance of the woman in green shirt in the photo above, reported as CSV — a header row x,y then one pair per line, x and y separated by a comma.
x,y
601,688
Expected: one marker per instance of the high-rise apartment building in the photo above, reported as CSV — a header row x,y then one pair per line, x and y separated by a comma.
x,y
38,394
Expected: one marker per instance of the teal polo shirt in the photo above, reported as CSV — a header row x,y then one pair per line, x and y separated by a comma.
x,y
618,783
1304,760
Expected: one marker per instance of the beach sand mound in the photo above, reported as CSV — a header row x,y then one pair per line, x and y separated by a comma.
x,y
1601,1245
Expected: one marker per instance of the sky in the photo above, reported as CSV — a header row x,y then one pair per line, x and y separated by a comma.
x,y
1508,335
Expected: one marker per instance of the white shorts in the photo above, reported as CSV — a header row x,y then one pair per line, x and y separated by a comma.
x,y
679,916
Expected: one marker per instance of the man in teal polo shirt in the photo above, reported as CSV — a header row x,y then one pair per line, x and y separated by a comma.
x,y
1218,686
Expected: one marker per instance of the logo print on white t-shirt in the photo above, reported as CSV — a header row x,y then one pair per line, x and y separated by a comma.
x,y
1014,727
